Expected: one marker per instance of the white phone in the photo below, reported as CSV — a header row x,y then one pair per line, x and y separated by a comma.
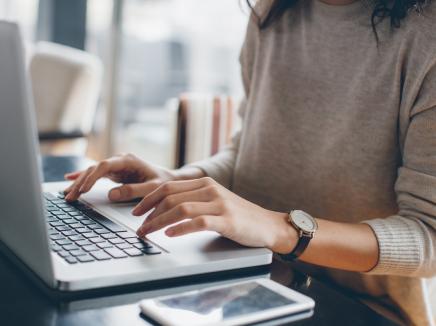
x,y
235,304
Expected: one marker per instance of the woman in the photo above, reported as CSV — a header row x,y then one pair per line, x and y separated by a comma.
x,y
339,121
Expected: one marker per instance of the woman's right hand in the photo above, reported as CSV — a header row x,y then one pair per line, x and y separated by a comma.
x,y
138,177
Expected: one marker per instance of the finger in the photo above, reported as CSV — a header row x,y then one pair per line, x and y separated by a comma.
x,y
132,191
73,184
177,214
200,223
101,170
168,188
74,193
73,175
171,201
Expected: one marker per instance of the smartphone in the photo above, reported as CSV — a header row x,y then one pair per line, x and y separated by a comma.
x,y
240,303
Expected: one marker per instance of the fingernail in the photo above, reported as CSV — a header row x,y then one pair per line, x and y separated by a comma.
x,y
135,211
170,232
115,194
141,231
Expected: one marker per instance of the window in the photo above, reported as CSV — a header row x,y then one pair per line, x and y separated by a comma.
x,y
167,47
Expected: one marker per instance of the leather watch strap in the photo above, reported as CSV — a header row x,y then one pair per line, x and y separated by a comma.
x,y
302,244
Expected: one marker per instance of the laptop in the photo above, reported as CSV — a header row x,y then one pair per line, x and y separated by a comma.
x,y
91,243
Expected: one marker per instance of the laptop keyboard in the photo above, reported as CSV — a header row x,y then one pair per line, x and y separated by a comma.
x,y
78,234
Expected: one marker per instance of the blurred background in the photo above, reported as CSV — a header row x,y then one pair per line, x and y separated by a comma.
x,y
149,50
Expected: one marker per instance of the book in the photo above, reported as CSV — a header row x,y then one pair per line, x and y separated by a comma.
x,y
201,125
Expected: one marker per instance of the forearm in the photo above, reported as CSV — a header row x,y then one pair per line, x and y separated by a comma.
x,y
345,246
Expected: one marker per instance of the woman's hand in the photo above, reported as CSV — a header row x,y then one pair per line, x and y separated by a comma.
x,y
139,178
203,204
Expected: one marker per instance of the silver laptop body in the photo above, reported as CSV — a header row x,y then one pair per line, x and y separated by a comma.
x,y
23,226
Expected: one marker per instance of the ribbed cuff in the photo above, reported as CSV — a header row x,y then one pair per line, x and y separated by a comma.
x,y
401,245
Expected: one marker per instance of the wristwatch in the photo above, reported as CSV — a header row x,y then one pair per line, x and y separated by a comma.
x,y
306,227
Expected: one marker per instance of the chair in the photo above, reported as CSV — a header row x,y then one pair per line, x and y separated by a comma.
x,y
66,85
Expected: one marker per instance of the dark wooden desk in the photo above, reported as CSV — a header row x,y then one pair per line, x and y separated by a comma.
x,y
22,302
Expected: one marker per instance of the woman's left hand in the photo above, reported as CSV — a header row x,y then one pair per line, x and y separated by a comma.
x,y
203,204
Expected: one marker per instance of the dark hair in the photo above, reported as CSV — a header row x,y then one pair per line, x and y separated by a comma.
x,y
396,12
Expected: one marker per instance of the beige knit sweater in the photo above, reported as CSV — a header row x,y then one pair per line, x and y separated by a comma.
x,y
346,130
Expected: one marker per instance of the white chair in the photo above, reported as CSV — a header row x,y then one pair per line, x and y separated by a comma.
x,y
66,85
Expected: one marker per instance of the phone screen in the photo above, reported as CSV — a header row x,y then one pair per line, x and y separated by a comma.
x,y
221,304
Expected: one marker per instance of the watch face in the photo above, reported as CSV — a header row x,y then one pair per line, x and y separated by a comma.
x,y
304,221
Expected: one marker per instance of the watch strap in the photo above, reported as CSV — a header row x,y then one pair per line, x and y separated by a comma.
x,y
302,244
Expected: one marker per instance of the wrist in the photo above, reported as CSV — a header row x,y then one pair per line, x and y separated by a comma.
x,y
285,236
187,173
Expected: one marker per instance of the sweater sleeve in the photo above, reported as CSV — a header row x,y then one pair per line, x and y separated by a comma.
x,y
220,166
407,241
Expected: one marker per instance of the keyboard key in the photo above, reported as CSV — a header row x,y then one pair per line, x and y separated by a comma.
x,y
126,235
90,248
71,260
70,247
90,235
97,240
75,225
63,253
100,255
56,247
56,236
52,230
151,251
63,242
69,220
133,252
101,231
82,230
69,233
94,226
109,236
104,245
49,196
57,212
75,214
81,218
87,222
133,240
116,241
68,209
58,223
84,242
76,238
124,246
116,253
77,253
85,259
142,245
63,228
60,194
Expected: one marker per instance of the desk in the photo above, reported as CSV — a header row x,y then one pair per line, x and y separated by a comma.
x,y
23,303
